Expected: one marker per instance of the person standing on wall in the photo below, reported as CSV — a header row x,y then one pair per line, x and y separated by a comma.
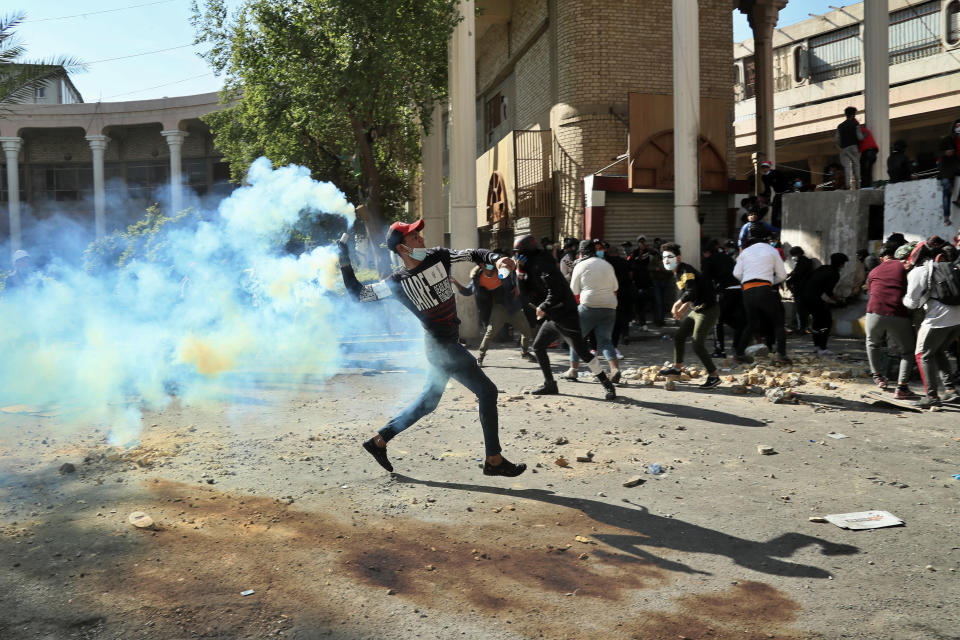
x,y
868,156
948,166
899,166
847,138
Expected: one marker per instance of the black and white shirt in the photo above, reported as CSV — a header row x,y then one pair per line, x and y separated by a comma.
x,y
426,290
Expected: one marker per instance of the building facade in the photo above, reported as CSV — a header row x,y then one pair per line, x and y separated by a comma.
x,y
102,164
569,94
819,69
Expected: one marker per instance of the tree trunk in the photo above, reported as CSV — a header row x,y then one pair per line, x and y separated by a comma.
x,y
374,217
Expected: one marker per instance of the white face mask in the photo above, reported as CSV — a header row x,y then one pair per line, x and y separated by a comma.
x,y
417,254
956,129
670,262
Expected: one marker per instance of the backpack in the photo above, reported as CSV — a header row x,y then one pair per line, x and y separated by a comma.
x,y
945,282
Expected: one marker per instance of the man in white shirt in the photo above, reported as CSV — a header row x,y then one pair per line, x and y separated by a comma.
x,y
759,269
940,327
595,281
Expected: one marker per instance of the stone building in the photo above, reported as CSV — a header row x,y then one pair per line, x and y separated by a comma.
x,y
102,164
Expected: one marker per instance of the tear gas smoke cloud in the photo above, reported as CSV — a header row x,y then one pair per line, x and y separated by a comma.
x,y
221,305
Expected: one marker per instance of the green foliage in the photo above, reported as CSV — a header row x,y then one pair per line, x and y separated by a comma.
x,y
145,240
307,81
20,78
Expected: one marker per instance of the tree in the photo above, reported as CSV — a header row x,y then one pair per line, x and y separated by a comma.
x,y
19,79
340,86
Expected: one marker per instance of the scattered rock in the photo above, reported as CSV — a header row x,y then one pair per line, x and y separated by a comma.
x,y
765,450
561,440
584,456
739,389
670,385
140,520
561,462
634,481
817,519
67,467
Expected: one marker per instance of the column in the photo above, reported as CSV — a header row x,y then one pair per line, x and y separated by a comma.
x,y
175,142
98,145
876,79
432,196
686,128
763,19
11,149
463,132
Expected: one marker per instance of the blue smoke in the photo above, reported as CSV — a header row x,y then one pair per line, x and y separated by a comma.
x,y
217,304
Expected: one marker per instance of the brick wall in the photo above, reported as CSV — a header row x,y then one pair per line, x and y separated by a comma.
x,y
533,87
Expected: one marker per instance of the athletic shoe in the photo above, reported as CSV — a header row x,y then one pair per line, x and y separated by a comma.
x,y
480,359
928,402
615,378
505,468
904,393
718,353
951,396
379,454
712,381
611,393
619,355
672,371
570,374
548,388
880,381
824,352
526,355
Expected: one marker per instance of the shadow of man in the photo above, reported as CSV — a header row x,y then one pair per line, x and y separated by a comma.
x,y
650,530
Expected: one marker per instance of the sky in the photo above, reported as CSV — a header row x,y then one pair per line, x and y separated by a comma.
x,y
119,28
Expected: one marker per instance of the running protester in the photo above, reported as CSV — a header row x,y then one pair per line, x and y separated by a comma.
x,y
423,286
543,285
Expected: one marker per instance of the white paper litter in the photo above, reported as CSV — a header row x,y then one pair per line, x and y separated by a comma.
x,y
837,436
864,520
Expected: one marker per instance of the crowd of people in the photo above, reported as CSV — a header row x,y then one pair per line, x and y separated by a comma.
x,y
586,296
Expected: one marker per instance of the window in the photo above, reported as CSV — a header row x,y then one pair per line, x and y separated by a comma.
x,y
493,115
800,65
781,69
915,32
41,93
750,78
60,183
835,54
952,14
144,177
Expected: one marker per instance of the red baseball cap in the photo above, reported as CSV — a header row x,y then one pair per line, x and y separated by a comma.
x,y
399,229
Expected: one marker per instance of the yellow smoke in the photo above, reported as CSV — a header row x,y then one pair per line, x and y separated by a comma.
x,y
214,354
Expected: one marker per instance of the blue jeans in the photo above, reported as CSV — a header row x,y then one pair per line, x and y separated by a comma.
x,y
600,321
451,360
946,184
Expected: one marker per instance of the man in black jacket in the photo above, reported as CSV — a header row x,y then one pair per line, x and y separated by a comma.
x,y
796,281
899,167
847,138
717,268
544,286
423,286
821,283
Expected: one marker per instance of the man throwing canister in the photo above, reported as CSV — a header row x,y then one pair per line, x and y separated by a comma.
x,y
423,286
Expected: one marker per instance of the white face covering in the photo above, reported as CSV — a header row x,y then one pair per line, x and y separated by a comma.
x,y
670,262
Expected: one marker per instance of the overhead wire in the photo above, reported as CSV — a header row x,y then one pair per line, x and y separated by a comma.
x,y
166,84
137,55
93,13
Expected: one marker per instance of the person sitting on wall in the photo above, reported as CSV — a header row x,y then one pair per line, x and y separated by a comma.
x,y
753,216
899,166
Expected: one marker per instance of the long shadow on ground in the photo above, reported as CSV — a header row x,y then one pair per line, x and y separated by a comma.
x,y
648,530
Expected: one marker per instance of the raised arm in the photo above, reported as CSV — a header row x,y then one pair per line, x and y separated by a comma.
x,y
361,292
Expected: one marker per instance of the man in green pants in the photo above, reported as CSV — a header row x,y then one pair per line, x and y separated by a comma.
x,y
696,293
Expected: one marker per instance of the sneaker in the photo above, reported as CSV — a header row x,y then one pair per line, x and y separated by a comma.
x,y
950,396
927,402
548,388
570,374
718,353
618,355
712,381
379,454
904,393
672,371
880,381
615,378
505,468
824,352
948,222
611,392
526,355
480,359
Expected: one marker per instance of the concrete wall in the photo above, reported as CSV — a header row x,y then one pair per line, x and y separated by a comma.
x,y
915,209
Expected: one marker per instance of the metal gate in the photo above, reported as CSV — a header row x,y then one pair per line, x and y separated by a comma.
x,y
533,182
